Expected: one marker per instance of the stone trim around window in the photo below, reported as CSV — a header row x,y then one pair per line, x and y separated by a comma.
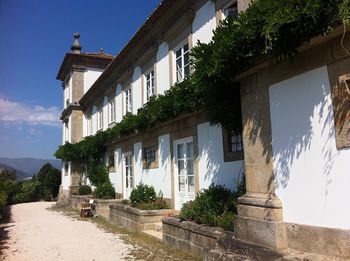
x,y
111,162
230,155
149,147
341,109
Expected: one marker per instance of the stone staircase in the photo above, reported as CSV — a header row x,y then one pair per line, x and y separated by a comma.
x,y
156,232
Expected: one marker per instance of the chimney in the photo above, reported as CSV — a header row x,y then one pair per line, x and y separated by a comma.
x,y
76,48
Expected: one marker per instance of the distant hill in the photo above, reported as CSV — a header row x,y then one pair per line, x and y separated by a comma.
x,y
19,174
27,167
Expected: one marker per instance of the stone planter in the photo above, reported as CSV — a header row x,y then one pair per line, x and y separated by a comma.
x,y
136,220
102,205
211,243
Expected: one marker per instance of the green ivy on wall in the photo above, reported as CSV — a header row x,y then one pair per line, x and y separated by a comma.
x,y
268,28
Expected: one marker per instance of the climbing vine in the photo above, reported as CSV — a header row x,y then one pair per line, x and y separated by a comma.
x,y
268,28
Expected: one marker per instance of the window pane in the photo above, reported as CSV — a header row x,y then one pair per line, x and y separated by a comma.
x,y
190,184
189,150
178,53
181,167
180,151
189,167
185,47
182,183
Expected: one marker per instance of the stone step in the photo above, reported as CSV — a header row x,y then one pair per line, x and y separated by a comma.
x,y
158,226
222,255
153,233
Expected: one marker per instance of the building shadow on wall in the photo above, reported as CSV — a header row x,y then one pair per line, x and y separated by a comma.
x,y
5,224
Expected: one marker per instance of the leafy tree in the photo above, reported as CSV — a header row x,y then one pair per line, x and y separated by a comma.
x,y
50,179
7,175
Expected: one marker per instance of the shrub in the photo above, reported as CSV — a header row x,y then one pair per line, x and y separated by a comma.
x,y
159,203
3,200
209,205
20,198
142,194
85,190
11,188
31,190
226,221
97,173
105,191
47,195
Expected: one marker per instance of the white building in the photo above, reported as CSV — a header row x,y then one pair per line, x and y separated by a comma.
x,y
180,157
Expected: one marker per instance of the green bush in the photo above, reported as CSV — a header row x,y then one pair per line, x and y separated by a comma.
x,y
159,203
46,195
105,191
11,188
97,173
226,221
209,205
85,190
142,194
3,200
32,190
20,198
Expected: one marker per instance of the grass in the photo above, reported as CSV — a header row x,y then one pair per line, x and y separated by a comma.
x,y
144,247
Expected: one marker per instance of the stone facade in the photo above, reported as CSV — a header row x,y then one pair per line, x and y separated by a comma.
x,y
260,212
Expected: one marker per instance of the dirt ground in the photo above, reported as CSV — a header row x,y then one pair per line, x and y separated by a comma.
x,y
42,231
35,233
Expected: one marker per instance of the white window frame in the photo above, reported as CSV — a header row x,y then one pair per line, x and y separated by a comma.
x,y
181,48
128,99
150,84
111,110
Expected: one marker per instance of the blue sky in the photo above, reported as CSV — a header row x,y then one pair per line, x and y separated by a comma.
x,y
35,35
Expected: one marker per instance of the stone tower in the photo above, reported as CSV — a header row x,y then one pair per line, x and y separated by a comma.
x,y
77,74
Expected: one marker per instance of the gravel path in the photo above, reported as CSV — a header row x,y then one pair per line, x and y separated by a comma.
x,y
36,233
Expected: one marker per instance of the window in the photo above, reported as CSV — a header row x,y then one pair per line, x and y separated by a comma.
x,y
66,168
66,132
111,163
182,62
150,159
100,119
236,143
233,146
128,101
111,110
150,84
231,10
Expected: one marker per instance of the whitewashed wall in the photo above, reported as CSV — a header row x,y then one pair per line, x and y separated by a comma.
x,y
105,113
162,68
211,166
117,177
136,90
204,23
90,76
159,178
119,103
94,119
311,175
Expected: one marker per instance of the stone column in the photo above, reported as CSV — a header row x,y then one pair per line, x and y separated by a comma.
x,y
260,216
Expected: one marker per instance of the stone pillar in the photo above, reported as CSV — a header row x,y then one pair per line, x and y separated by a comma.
x,y
260,216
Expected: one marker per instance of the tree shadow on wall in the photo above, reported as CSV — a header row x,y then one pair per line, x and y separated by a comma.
x,y
295,129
